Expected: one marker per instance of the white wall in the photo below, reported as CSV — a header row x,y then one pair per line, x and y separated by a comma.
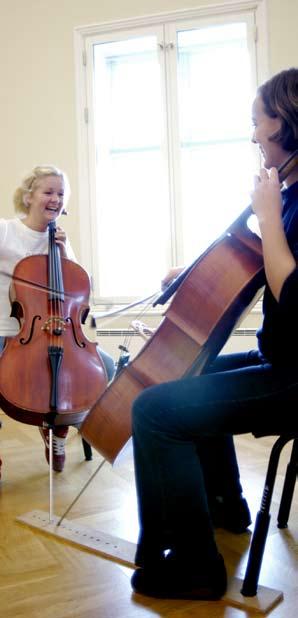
x,y
37,102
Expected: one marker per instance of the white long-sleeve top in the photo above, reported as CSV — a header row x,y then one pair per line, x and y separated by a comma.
x,y
17,241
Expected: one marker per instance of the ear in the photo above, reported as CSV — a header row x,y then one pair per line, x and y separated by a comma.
x,y
26,200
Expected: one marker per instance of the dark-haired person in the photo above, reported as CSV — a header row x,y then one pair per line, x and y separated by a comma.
x,y
177,556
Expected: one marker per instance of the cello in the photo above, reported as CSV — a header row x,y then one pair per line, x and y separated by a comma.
x,y
50,372
224,282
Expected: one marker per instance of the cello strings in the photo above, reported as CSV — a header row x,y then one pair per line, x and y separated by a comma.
x,y
53,282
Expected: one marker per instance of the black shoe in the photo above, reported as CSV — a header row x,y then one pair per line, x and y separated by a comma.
x,y
171,579
232,515
148,551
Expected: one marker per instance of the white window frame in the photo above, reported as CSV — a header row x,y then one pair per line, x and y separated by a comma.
x,y
84,38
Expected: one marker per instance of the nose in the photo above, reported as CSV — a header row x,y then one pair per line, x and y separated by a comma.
x,y
56,198
253,137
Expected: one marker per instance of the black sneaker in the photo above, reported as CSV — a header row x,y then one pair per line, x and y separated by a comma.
x,y
170,579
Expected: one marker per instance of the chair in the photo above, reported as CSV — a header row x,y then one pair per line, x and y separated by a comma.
x,y
257,546
87,450
0,457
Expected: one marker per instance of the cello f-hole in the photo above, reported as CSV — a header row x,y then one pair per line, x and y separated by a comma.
x,y
80,344
25,341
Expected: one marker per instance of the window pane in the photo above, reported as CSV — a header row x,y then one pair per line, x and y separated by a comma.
x,y
131,175
214,86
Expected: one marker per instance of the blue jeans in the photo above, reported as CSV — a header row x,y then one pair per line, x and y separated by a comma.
x,y
184,451
108,362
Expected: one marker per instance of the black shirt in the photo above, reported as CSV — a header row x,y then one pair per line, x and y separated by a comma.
x,y
278,336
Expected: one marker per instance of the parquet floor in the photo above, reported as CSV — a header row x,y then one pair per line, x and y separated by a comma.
x,y
42,577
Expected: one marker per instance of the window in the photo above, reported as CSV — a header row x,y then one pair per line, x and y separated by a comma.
x,y
132,202
169,162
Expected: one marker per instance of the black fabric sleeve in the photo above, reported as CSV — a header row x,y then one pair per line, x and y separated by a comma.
x,y
288,301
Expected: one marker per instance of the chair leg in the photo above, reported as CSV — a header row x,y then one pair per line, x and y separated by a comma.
x,y
87,450
257,547
0,458
288,488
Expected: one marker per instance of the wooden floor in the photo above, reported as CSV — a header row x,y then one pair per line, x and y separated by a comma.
x,y
42,577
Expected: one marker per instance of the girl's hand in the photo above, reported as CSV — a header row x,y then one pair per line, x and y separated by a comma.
x,y
266,196
279,261
60,238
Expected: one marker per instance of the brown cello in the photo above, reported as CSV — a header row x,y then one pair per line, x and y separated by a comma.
x,y
213,296
50,372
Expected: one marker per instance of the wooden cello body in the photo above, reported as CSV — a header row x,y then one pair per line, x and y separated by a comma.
x,y
50,372
213,297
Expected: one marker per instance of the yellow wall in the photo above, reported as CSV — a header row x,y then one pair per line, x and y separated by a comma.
x,y
37,102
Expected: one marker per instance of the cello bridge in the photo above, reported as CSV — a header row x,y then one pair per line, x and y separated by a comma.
x,y
54,325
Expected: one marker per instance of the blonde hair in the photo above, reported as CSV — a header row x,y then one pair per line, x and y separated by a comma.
x,y
30,183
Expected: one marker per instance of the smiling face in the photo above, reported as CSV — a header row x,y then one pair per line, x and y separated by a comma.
x,y
45,203
264,128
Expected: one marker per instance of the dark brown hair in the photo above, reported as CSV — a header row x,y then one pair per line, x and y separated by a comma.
x,y
280,97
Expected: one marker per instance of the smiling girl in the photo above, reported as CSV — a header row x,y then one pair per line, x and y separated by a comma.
x,y
40,199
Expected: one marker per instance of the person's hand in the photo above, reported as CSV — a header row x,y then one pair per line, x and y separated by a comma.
x,y
145,331
60,238
171,275
266,196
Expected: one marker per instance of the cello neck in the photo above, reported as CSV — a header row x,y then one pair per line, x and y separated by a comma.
x,y
283,172
55,277
237,228
287,167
